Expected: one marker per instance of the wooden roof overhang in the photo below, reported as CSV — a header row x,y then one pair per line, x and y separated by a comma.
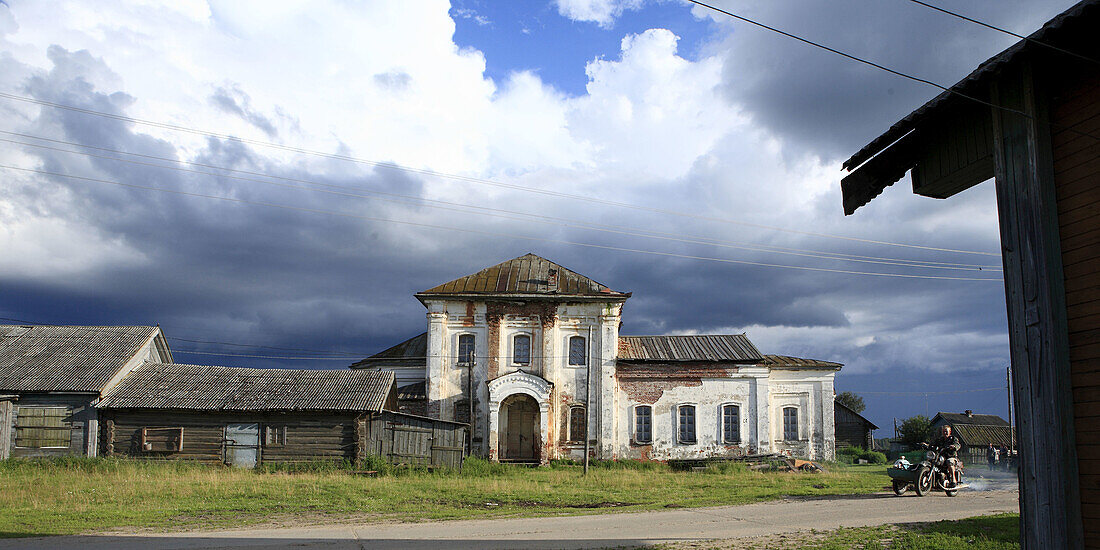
x,y
948,142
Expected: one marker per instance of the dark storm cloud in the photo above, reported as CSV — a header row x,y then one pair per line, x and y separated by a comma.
x,y
819,101
231,99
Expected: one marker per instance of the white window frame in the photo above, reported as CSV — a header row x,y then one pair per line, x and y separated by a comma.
x,y
722,423
634,425
530,349
458,349
695,423
569,351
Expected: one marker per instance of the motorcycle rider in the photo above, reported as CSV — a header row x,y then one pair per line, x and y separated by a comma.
x,y
948,447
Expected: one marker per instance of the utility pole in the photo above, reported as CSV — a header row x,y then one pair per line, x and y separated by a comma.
x,y
1011,434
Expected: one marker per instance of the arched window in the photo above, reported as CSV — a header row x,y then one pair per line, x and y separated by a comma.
x,y
578,424
521,349
466,349
643,424
578,351
790,424
686,432
731,424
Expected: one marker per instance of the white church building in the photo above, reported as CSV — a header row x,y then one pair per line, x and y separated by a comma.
x,y
529,353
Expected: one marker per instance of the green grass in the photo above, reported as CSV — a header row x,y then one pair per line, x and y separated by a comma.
x,y
998,532
93,495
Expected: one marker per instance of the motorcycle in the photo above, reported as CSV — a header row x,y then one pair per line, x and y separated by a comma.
x,y
927,475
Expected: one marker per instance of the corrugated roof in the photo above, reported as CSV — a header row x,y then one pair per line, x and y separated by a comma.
x,y
195,387
410,353
788,362
527,275
979,435
735,348
956,419
66,358
693,370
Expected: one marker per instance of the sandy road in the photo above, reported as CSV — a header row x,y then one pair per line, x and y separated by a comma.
x,y
595,531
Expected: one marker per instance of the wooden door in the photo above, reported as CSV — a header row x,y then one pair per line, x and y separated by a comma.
x,y
521,440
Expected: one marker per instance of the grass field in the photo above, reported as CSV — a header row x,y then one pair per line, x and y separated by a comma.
x,y
95,495
999,532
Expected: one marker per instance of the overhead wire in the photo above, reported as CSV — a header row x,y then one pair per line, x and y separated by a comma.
x,y
495,212
495,234
483,181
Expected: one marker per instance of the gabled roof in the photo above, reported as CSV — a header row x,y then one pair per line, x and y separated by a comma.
x,y
410,353
66,358
196,387
956,419
977,435
788,362
526,276
728,348
854,413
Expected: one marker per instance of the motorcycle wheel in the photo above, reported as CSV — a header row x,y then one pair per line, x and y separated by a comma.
x,y
900,487
924,482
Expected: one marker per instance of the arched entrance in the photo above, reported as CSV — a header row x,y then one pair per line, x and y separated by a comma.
x,y
519,415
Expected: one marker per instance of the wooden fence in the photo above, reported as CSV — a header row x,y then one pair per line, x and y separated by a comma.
x,y
409,439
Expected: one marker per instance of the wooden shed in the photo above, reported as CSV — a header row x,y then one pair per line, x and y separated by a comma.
x,y
852,430
246,417
1028,118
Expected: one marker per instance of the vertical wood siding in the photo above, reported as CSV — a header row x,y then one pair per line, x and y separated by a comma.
x,y
1077,184
80,414
405,439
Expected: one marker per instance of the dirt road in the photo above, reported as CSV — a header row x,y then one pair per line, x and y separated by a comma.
x,y
596,531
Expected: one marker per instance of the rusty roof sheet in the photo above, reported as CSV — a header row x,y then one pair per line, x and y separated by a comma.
x,y
1077,19
410,353
788,362
66,358
675,371
730,348
527,275
196,387
981,435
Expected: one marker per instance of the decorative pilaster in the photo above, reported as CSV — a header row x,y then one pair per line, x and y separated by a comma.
x,y
437,364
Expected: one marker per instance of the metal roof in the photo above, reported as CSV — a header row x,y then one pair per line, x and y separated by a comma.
x,y
675,371
980,435
196,387
788,362
957,419
734,348
1050,33
66,358
526,276
410,353
417,391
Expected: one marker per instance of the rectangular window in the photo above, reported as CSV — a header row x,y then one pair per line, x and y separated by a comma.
x,y
578,424
43,427
162,440
790,424
466,349
687,424
521,349
274,436
643,424
731,424
578,352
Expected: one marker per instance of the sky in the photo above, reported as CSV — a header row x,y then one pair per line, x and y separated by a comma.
x,y
292,173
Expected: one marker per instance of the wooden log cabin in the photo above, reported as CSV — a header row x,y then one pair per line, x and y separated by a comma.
x,y
852,430
247,417
1028,117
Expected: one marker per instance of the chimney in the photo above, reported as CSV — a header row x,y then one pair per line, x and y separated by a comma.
x,y
969,413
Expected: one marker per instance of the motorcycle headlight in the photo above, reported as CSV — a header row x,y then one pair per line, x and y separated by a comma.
x,y
930,455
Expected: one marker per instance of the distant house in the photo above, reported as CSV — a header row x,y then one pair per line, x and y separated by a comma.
x,y
52,376
245,417
977,432
406,361
852,430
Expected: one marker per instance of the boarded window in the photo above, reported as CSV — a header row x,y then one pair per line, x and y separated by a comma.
x,y
43,427
521,349
731,424
686,433
274,435
161,440
578,424
578,351
466,349
790,424
643,424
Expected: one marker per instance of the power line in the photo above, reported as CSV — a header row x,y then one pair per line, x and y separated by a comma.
x,y
927,392
951,91
1006,31
470,179
495,234
498,212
